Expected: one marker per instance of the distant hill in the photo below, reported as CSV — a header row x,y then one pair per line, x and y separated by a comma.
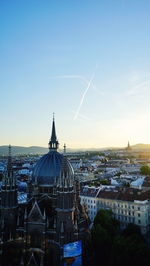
x,y
19,150
141,146
23,150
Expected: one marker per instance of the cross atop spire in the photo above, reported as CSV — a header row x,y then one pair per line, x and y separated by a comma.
x,y
53,143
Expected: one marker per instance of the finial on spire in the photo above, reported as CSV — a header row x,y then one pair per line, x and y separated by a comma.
x,y
53,143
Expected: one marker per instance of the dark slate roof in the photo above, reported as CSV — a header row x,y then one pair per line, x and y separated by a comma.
x,y
127,195
48,167
123,194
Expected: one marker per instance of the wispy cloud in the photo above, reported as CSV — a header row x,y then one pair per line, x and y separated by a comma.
x,y
138,84
139,88
80,77
69,77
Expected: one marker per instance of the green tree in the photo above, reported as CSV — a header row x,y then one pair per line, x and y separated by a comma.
x,y
129,250
145,169
104,230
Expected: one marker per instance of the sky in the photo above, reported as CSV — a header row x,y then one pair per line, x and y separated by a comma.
x,y
88,61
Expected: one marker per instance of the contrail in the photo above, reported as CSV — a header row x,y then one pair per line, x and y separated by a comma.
x,y
83,96
88,83
83,78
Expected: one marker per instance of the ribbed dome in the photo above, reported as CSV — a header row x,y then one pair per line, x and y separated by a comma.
x,y
48,167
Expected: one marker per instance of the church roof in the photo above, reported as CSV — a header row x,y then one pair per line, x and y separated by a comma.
x,y
49,166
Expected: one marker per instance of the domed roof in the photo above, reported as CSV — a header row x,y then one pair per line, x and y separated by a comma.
x,y
48,167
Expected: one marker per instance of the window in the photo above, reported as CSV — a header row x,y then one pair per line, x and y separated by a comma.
x,y
139,214
132,207
139,221
138,208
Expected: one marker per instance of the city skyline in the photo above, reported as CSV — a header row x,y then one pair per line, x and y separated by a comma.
x,y
86,61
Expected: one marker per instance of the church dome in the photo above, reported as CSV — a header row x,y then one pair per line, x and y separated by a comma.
x,y
49,166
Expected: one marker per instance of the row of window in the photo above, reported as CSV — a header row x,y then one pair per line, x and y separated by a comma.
x,y
125,218
92,207
92,212
112,204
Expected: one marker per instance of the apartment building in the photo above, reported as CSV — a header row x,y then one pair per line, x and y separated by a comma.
x,y
127,204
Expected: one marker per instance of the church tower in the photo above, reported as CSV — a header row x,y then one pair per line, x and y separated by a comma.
x,y
128,147
66,224
9,203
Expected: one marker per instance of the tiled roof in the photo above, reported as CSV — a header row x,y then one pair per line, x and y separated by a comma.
x,y
127,195
124,194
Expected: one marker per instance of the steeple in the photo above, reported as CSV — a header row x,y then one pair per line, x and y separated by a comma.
x,y
128,147
9,163
9,201
53,143
9,179
64,149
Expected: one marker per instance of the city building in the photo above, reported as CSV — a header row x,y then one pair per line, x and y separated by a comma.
x,y
127,204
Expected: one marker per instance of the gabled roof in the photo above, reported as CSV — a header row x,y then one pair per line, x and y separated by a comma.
x,y
32,261
35,213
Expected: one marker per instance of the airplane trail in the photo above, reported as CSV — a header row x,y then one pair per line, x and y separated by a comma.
x,y
83,96
88,83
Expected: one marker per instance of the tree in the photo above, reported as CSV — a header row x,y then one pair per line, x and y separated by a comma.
x,y
113,247
145,169
129,249
104,230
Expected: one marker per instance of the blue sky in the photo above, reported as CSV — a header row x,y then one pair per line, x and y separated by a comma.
x,y
87,61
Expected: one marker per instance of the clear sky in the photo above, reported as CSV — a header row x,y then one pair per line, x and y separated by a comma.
x,y
86,60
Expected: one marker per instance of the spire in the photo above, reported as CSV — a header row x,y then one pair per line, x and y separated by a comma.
x,y
9,163
64,148
53,143
128,146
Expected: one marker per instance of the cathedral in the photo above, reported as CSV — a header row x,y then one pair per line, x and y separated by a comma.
x,y
35,232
